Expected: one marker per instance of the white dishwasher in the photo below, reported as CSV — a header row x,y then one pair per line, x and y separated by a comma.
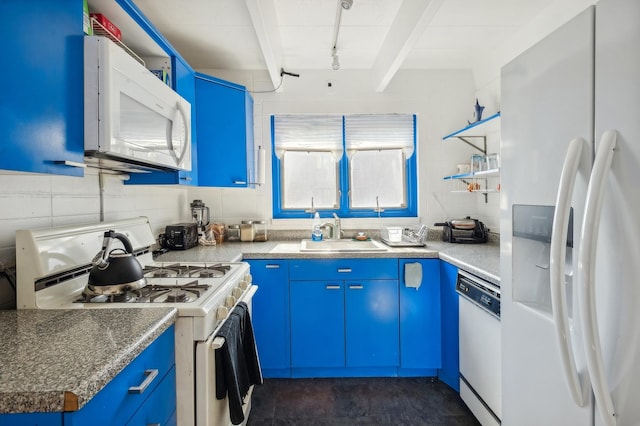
x,y
480,345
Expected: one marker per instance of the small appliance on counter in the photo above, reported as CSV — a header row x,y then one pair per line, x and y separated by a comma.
x,y
200,214
181,236
467,230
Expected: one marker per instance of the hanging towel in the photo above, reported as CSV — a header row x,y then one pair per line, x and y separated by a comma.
x,y
237,365
413,275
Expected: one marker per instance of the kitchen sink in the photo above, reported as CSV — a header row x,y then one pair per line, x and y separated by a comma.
x,y
341,245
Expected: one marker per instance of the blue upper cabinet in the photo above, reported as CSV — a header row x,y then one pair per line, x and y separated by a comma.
x,y
41,107
224,124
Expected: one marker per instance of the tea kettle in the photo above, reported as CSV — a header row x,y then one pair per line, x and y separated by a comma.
x,y
115,271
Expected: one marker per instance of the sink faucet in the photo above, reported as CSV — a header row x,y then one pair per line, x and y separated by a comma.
x,y
337,227
335,231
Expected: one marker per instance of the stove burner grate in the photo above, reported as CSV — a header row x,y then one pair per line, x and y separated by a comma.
x,y
193,271
154,293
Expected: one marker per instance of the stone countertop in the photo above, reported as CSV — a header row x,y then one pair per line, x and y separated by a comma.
x,y
482,260
49,356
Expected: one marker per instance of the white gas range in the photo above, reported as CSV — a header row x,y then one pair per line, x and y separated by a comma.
x,y
53,267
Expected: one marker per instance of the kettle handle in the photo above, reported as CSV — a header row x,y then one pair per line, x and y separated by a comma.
x,y
123,239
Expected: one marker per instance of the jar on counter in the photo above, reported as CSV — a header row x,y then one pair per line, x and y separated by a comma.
x,y
247,230
261,230
233,233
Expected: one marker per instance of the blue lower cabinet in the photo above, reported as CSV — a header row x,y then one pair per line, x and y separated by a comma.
x,y
317,324
450,370
372,323
117,404
420,328
31,419
270,316
160,407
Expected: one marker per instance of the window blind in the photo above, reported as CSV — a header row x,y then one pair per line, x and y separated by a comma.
x,y
379,131
306,132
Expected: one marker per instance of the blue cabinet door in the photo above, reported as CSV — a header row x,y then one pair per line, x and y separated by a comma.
x,y
42,102
317,324
420,320
221,121
372,323
271,316
450,370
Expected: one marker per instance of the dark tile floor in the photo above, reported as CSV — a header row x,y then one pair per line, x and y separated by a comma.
x,y
357,401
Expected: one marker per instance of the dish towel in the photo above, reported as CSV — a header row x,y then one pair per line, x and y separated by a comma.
x,y
413,275
237,364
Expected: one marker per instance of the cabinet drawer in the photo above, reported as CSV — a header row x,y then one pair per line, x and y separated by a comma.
x,y
343,269
115,404
160,405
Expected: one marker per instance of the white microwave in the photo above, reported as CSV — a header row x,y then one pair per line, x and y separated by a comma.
x,y
130,115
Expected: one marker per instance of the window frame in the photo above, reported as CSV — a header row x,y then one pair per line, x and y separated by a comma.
x,y
411,183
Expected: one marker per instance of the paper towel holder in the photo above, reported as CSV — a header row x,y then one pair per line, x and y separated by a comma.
x,y
260,167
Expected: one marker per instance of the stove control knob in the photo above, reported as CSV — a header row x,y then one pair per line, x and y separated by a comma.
x,y
243,285
248,278
237,292
221,313
230,301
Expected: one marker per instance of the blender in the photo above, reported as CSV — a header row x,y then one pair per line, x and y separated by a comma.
x,y
200,214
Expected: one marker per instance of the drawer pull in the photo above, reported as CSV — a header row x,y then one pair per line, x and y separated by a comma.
x,y
151,375
271,266
333,287
356,287
344,270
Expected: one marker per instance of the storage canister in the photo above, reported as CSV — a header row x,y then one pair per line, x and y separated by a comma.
x,y
233,233
247,230
260,230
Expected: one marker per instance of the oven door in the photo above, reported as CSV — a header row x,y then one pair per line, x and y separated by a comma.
x,y
209,410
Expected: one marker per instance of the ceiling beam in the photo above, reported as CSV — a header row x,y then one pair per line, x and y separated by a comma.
x,y
265,23
408,26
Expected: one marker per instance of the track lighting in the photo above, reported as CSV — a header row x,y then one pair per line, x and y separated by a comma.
x,y
335,64
346,5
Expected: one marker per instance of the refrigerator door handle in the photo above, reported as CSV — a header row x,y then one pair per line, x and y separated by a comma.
x,y
586,276
557,257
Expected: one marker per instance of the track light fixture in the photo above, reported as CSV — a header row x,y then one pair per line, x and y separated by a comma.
x,y
346,5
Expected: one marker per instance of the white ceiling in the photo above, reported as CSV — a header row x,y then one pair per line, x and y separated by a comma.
x,y
378,35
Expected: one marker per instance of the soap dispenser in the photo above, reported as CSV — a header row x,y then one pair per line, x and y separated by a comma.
x,y
316,231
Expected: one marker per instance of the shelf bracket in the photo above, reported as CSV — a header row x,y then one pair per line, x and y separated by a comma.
x,y
471,144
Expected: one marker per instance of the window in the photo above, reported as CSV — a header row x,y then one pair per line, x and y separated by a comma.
x,y
360,165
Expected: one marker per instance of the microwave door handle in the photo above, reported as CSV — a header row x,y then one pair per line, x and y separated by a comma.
x,y
557,268
186,136
586,276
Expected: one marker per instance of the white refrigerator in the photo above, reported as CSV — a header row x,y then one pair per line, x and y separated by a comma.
x,y
570,224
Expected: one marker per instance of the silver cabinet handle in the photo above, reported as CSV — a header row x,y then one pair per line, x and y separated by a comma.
x,y
151,375
356,287
332,287
344,270
272,266
187,178
239,182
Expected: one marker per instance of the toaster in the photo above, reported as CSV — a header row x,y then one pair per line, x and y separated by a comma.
x,y
469,231
181,236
